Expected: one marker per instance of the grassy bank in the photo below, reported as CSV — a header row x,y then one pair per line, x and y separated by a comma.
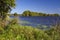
x,y
17,32
14,31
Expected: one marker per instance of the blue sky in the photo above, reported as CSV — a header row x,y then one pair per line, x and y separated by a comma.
x,y
44,6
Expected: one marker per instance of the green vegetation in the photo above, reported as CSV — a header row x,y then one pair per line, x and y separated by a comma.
x,y
54,33
14,31
11,30
29,13
15,14
5,7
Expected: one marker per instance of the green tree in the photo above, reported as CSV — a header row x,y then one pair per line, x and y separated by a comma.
x,y
56,14
15,14
5,7
26,13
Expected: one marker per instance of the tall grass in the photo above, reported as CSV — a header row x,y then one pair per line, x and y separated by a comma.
x,y
17,32
14,31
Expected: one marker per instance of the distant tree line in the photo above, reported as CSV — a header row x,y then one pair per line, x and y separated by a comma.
x,y
29,13
14,14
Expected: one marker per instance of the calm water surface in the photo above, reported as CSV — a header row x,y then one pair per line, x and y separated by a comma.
x,y
38,20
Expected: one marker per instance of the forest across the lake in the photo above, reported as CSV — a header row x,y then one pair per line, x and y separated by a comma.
x,y
31,13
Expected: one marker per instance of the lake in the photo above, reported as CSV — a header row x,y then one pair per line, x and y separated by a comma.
x,y
39,20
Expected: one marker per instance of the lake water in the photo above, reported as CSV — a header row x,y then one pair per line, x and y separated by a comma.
x,y
38,20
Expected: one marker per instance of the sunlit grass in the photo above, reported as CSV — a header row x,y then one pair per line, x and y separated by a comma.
x,y
18,32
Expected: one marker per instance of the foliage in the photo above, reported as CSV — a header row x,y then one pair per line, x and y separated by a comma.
x,y
14,21
54,33
14,31
18,32
15,14
5,7
29,13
